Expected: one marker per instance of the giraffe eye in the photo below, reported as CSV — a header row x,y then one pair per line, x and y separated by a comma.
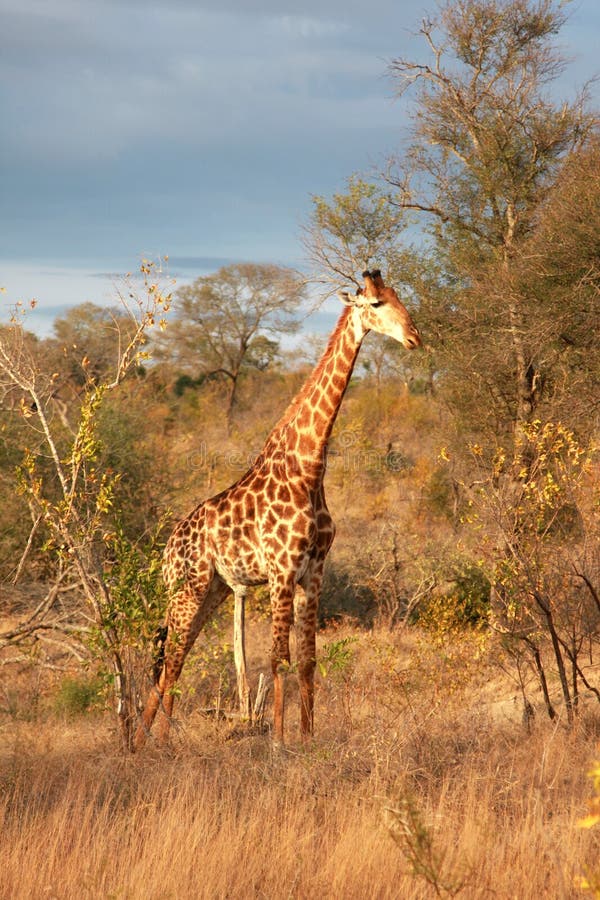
x,y
376,304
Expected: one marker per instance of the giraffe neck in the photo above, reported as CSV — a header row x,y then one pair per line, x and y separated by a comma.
x,y
303,432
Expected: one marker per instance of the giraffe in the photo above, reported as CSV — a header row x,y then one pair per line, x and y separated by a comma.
x,y
272,526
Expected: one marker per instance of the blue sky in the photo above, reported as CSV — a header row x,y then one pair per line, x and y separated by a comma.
x,y
192,128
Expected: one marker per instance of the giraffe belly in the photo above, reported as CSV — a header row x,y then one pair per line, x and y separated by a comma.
x,y
235,576
247,569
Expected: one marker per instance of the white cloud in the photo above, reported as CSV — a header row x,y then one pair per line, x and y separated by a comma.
x,y
191,126
97,86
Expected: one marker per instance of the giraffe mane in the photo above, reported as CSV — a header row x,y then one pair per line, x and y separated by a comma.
x,y
312,379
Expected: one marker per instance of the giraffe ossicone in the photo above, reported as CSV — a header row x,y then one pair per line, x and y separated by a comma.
x,y
272,526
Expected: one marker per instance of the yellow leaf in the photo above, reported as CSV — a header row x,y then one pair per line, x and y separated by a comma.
x,y
589,821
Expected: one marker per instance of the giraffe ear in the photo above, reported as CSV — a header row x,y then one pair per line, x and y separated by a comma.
x,y
358,299
347,299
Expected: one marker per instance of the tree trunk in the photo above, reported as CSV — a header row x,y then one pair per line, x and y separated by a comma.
x,y
543,683
525,386
258,713
231,400
560,663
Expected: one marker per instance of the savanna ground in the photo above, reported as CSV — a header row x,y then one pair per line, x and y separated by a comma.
x,y
462,472
423,780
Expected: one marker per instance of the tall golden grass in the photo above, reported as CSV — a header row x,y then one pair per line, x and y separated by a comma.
x,y
405,793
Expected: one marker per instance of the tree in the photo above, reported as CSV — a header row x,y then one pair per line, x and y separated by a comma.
x,y
560,266
95,333
71,499
544,557
491,150
224,323
488,144
354,231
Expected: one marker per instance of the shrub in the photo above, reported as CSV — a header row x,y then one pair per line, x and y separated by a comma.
x,y
77,696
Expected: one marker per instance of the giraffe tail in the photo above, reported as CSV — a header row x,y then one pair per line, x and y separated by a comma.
x,y
160,640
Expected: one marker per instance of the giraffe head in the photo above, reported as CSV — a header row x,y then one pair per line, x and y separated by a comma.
x,y
377,308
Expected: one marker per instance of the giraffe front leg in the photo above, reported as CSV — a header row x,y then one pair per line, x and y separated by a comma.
x,y
306,606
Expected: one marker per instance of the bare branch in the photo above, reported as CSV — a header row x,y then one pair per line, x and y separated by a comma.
x,y
36,522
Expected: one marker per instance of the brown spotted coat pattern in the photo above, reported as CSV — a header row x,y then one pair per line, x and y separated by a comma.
x,y
273,526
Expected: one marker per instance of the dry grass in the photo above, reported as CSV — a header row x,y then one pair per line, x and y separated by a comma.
x,y
488,809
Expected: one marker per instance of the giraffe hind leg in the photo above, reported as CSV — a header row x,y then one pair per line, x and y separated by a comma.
x,y
160,639
154,699
188,612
